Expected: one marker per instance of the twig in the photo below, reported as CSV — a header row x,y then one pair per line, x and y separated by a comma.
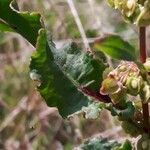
x,y
8,120
79,24
142,42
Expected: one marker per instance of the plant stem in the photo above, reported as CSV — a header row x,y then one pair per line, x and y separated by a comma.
x,y
96,95
142,40
79,24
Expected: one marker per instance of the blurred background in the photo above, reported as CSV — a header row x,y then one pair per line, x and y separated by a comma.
x,y
26,123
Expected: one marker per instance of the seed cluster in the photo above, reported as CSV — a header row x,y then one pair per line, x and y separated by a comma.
x,y
126,79
133,11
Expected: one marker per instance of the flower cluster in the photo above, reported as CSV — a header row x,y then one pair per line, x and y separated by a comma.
x,y
134,11
126,79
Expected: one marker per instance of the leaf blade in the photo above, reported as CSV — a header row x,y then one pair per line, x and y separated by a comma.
x,y
5,27
25,23
116,48
55,87
81,67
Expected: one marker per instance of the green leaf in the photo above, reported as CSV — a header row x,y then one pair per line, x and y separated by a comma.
x,y
80,67
123,114
5,28
25,23
92,111
55,87
143,70
125,146
98,144
60,73
105,144
115,47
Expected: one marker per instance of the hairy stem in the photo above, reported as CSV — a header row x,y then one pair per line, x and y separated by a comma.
x,y
142,42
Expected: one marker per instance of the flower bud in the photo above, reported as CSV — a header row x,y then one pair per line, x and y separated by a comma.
x,y
144,16
109,86
145,92
147,65
133,11
118,97
133,85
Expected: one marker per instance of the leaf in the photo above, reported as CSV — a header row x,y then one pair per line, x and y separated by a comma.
x,y
55,87
25,23
60,73
125,146
92,111
123,114
98,144
5,28
104,144
80,67
115,47
60,77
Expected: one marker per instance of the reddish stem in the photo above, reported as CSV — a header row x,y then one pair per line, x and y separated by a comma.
x,y
142,38
96,95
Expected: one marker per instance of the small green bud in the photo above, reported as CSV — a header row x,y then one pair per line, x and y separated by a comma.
x,y
133,11
118,97
147,65
133,85
130,7
145,92
122,68
131,4
109,86
144,17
